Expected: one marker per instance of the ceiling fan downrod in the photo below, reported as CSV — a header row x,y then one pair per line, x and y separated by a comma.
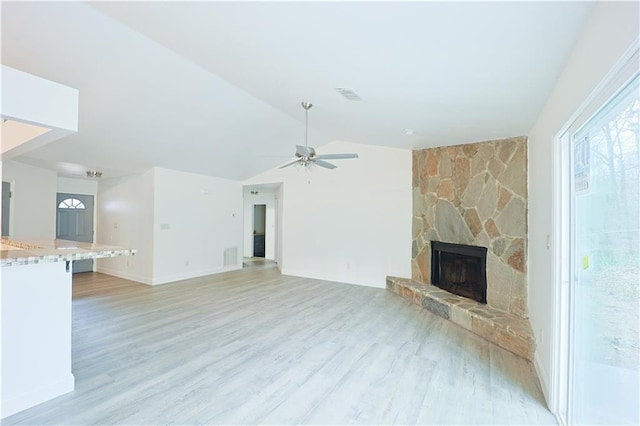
x,y
306,106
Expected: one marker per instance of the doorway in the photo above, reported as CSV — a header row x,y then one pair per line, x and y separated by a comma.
x,y
6,207
263,204
259,229
74,222
602,217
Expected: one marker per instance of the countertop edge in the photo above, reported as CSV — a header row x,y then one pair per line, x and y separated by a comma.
x,y
32,253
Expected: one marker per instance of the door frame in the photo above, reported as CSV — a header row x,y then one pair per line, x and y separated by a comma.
x,y
561,258
269,195
622,73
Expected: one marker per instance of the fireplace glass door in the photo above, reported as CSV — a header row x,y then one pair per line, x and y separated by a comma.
x,y
603,313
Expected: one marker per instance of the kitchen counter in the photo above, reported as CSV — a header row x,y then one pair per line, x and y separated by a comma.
x,y
28,252
35,293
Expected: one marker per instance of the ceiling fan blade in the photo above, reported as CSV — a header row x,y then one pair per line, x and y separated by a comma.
x,y
335,156
290,163
324,164
303,150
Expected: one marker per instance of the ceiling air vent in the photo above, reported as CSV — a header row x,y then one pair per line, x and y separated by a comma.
x,y
348,93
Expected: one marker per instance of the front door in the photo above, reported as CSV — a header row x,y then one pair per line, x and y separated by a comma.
x,y
74,222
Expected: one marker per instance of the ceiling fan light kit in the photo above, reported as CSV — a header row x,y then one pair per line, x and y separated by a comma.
x,y
306,156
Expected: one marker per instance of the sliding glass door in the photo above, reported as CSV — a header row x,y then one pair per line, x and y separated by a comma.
x,y
603,384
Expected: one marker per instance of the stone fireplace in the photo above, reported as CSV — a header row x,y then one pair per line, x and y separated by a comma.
x,y
476,195
472,196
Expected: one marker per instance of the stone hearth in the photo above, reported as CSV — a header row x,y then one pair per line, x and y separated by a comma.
x,y
506,330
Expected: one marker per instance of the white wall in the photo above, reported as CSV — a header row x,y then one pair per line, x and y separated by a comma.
x,y
30,99
36,335
196,218
351,224
268,198
179,222
610,31
78,186
33,201
125,218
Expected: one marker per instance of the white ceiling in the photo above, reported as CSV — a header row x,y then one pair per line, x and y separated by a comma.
x,y
215,87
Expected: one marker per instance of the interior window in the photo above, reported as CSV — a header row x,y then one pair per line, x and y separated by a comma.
x,y
71,203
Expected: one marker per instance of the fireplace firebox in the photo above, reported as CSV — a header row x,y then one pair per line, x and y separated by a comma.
x,y
460,269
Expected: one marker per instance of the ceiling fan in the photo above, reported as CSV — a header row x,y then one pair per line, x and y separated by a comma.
x,y
306,156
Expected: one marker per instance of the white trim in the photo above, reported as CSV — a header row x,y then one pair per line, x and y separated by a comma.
x,y
623,72
560,254
540,371
64,384
335,277
618,76
195,274
124,275
167,278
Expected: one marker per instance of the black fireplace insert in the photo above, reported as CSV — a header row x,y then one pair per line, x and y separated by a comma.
x,y
460,269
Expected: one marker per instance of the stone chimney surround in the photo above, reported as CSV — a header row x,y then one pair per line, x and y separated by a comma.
x,y
474,194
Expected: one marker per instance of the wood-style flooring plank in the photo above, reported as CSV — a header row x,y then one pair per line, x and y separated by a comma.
x,y
256,347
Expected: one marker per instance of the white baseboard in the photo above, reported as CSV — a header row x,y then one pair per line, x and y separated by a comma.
x,y
193,274
125,275
329,277
541,372
167,278
15,404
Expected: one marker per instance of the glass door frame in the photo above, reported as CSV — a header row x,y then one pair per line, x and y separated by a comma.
x,y
563,236
562,267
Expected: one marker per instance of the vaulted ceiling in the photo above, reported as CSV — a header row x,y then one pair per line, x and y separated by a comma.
x,y
215,87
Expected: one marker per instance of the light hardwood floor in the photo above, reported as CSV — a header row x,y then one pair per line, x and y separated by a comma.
x,y
253,346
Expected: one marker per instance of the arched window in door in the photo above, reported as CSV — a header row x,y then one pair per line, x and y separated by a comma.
x,y
71,203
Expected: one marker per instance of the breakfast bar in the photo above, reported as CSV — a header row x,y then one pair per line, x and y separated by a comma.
x,y
36,292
